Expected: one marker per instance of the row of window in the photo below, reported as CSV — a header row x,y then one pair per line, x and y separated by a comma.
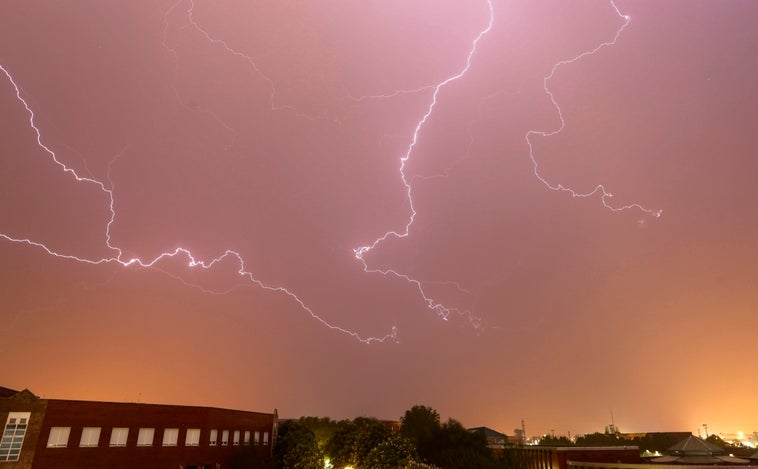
x,y
13,435
90,438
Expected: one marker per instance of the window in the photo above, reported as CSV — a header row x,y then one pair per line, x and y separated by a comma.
x,y
257,439
193,437
265,438
118,436
145,436
58,437
170,436
90,437
13,436
225,438
236,437
247,437
213,438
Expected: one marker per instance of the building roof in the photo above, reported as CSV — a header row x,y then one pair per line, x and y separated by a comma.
x,y
488,432
27,395
694,446
694,450
7,392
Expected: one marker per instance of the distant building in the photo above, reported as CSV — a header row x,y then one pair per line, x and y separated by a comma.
x,y
495,439
694,450
558,457
54,433
392,425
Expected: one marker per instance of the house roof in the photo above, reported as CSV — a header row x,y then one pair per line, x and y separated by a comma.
x,y
7,392
694,446
694,450
488,432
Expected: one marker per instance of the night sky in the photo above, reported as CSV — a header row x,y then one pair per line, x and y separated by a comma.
x,y
269,136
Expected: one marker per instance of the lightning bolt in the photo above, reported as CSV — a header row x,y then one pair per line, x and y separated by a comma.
x,y
192,261
439,308
117,255
224,45
599,189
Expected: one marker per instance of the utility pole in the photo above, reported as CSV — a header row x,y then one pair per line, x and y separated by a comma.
x,y
705,425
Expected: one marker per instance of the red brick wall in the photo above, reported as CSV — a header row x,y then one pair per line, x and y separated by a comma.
x,y
79,414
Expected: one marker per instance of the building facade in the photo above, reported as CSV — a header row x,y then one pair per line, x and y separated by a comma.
x,y
589,465
558,457
53,433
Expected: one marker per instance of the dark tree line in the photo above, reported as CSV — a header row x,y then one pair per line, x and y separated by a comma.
x,y
652,442
446,445
424,442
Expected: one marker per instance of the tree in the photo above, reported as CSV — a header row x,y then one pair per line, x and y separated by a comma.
x,y
419,465
394,452
323,428
371,433
551,440
653,442
421,425
600,439
341,446
457,448
716,440
296,448
353,441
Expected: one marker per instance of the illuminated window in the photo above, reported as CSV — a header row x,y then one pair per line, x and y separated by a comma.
x,y
170,436
213,438
90,437
145,436
257,438
225,438
58,437
118,436
247,438
265,438
193,437
236,437
13,436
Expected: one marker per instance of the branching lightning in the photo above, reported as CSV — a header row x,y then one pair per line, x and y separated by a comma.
x,y
224,45
108,188
440,309
599,189
192,261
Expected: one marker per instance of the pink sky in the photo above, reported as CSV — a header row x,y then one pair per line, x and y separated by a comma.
x,y
276,131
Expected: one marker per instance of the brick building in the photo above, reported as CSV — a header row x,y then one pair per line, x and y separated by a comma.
x,y
559,457
54,433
